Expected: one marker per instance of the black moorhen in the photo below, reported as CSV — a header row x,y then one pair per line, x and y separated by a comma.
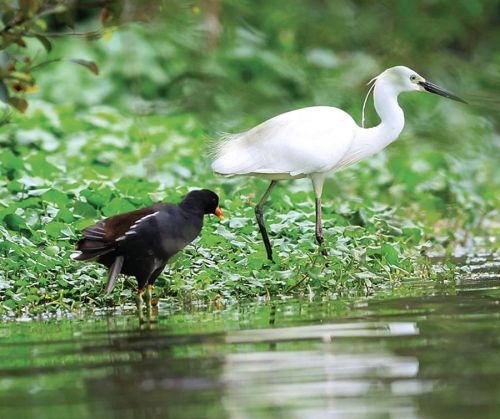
x,y
140,243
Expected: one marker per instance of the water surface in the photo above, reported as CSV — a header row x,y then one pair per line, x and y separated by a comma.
x,y
423,350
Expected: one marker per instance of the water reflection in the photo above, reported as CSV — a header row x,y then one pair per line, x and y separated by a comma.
x,y
428,353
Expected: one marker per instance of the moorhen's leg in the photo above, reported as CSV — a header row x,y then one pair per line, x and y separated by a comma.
x,y
139,304
149,290
148,295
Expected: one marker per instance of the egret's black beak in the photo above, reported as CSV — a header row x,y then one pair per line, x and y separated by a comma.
x,y
432,88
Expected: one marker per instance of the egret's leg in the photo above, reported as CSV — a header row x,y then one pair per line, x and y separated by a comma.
x,y
319,228
259,214
317,180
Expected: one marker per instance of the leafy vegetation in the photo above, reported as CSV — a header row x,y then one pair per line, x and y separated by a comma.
x,y
27,20
90,147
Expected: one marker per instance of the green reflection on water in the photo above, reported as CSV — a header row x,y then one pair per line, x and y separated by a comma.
x,y
425,350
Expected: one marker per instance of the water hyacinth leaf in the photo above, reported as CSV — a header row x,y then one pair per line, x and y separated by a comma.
x,y
56,197
65,215
116,206
10,161
15,186
14,222
84,209
83,223
32,202
97,198
54,228
414,233
390,254
41,167
10,303
90,65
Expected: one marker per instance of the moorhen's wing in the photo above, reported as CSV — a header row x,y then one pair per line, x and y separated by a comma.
x,y
101,238
163,232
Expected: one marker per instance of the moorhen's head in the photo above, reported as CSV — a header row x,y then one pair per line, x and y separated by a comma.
x,y
205,199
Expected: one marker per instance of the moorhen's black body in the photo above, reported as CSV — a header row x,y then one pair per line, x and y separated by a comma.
x,y
140,243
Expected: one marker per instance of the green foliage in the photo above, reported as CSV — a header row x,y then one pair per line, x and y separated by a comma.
x,y
20,23
53,189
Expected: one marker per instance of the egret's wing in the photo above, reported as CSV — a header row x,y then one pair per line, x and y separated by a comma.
x,y
303,141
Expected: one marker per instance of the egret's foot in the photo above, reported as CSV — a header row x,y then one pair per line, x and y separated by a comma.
x,y
268,264
323,251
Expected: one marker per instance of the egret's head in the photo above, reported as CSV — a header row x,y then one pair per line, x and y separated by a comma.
x,y
404,79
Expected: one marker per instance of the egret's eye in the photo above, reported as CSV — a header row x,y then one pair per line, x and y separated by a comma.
x,y
413,78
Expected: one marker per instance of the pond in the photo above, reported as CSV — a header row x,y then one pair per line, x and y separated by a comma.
x,y
422,350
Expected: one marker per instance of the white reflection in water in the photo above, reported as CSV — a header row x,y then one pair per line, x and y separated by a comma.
x,y
324,332
319,383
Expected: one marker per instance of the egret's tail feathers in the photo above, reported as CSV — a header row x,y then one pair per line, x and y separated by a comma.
x,y
231,155
114,271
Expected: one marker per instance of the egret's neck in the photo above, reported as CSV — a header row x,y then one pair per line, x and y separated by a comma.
x,y
392,118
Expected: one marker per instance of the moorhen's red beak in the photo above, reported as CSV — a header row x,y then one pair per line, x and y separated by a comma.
x,y
218,213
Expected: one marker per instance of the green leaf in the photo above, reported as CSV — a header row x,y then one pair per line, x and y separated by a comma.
x,y
4,94
45,42
65,215
92,66
14,222
41,167
117,206
7,16
84,210
390,254
19,75
15,186
29,7
54,228
19,103
56,197
97,198
414,233
10,161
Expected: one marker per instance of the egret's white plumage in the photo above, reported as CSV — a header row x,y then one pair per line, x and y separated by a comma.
x,y
284,147
312,141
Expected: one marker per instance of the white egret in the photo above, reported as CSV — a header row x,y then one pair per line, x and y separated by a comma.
x,y
312,141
